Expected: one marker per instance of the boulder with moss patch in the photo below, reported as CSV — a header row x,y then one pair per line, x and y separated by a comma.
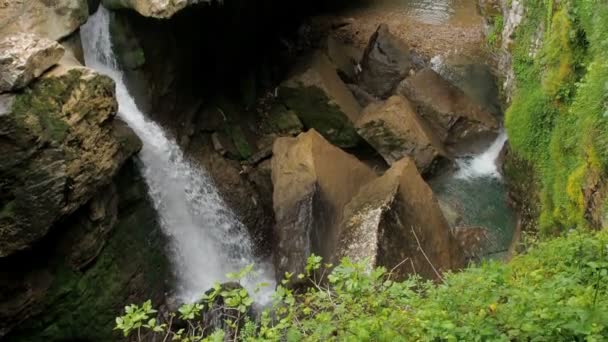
x,y
61,144
322,101
395,130
452,114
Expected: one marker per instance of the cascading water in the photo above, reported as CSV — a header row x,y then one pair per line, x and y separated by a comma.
x,y
476,193
207,241
484,164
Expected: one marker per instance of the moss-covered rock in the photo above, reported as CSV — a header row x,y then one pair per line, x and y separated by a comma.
x,y
70,288
322,101
395,130
60,144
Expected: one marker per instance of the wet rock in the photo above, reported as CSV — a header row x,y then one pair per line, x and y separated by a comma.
x,y
61,144
160,9
24,57
395,130
51,19
223,145
236,190
452,115
386,61
76,279
322,101
476,80
313,181
396,222
363,97
475,241
451,212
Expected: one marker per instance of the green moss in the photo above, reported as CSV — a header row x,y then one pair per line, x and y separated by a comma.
x,y
81,304
38,108
556,120
315,111
494,37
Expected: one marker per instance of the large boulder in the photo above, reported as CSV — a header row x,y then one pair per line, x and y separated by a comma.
x,y
161,9
313,180
452,114
386,61
60,144
395,221
51,19
322,101
395,130
25,56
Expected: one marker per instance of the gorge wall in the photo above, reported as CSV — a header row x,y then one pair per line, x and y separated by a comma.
x,y
553,56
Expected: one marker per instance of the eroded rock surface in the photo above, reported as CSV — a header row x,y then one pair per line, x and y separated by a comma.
x,y
386,61
25,56
322,101
395,130
450,112
313,180
54,19
61,143
395,220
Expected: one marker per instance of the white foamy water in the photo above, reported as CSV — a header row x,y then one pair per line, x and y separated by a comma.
x,y
484,164
206,239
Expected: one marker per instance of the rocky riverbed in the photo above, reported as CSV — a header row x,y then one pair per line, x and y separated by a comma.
x,y
319,132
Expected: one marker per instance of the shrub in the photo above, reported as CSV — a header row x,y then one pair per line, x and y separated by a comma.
x,y
558,291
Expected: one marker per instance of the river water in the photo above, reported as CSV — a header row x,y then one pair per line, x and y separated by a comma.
x,y
206,239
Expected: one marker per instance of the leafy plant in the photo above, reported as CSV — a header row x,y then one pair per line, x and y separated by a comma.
x,y
558,291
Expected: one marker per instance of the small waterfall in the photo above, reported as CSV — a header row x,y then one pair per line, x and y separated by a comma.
x,y
484,164
206,239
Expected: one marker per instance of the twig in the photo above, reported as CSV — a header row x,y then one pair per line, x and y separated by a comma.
x,y
169,328
397,266
425,256
413,267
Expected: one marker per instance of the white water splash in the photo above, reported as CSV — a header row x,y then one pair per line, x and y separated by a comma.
x,y
207,241
484,164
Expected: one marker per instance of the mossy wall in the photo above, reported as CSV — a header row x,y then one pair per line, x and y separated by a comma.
x,y
558,119
80,303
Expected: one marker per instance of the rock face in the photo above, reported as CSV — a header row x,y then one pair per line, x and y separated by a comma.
x,y
72,285
161,9
386,61
395,218
450,112
475,241
61,144
24,57
313,181
51,19
322,101
395,130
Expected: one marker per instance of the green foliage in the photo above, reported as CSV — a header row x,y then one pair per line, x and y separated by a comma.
x,y
556,292
558,120
495,35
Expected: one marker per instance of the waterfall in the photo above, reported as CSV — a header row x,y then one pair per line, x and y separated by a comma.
x,y
484,164
206,239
